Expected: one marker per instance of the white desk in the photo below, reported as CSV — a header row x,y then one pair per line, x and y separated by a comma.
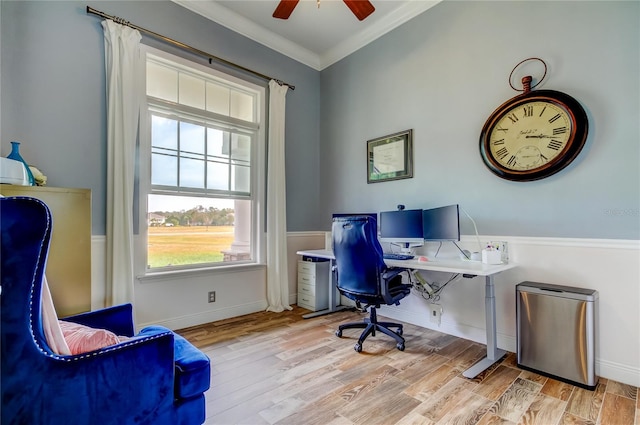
x,y
448,266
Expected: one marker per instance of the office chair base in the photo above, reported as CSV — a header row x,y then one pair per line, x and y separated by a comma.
x,y
370,326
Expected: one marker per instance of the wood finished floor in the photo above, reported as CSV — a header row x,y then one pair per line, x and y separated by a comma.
x,y
270,368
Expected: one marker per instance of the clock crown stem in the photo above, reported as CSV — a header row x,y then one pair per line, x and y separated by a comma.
x,y
526,83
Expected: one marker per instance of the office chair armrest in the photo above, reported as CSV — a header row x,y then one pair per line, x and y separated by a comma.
x,y
392,272
386,278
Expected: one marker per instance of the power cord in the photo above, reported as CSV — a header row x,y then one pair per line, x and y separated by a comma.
x,y
475,228
430,292
438,250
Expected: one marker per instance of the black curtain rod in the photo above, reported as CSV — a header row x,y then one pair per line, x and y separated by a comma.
x,y
186,47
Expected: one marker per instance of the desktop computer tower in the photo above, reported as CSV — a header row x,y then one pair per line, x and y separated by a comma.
x,y
556,331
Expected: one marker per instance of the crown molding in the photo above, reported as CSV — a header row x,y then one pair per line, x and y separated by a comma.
x,y
243,26
393,20
233,21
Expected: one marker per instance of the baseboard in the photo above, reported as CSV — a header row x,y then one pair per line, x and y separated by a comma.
x,y
208,316
609,370
461,330
618,372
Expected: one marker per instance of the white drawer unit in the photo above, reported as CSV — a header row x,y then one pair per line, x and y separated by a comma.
x,y
313,284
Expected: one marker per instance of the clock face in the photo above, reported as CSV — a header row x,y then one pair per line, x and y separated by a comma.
x,y
530,135
533,135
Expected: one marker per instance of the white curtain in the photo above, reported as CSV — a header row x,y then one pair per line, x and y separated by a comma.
x,y
277,270
121,48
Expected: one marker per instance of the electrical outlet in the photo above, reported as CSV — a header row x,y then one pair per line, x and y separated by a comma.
x,y
212,296
436,314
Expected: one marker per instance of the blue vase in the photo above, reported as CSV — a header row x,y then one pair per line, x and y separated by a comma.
x,y
15,155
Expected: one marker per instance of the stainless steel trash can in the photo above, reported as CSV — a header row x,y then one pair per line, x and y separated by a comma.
x,y
556,331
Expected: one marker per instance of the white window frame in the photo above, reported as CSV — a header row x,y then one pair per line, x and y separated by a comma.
x,y
258,175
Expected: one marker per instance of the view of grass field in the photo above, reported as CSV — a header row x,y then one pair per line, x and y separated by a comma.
x,y
180,245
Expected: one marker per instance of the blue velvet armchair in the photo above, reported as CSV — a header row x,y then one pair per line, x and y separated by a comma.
x,y
155,377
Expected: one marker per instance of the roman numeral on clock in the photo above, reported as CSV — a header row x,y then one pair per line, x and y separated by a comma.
x,y
554,118
513,118
528,111
502,152
559,130
498,142
512,161
542,112
554,144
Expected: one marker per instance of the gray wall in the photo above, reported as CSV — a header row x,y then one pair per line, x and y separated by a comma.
x,y
441,74
53,92
444,72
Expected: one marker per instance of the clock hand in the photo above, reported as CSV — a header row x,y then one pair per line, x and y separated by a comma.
x,y
539,136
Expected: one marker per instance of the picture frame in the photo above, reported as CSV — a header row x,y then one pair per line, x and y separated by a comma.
x,y
390,157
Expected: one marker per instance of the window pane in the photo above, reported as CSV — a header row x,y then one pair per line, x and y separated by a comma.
x,y
164,142
241,106
193,230
192,138
217,99
164,169
217,143
241,147
241,160
162,82
191,173
241,178
191,155
191,91
164,132
217,175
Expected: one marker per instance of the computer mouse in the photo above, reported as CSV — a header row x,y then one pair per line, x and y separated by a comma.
x,y
423,259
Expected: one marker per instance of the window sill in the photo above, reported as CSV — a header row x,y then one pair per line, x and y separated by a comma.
x,y
204,271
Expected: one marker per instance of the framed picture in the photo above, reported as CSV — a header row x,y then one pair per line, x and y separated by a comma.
x,y
390,157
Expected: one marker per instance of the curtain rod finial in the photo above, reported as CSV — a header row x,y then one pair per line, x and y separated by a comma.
x,y
282,83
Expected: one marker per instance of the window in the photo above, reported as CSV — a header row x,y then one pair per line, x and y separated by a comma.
x,y
201,166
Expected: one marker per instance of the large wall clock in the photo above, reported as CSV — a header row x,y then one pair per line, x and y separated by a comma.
x,y
533,135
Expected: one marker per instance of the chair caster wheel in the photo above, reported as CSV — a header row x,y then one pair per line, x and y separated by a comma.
x,y
400,347
339,333
358,347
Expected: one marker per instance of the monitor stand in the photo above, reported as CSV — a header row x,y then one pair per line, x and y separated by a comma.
x,y
407,248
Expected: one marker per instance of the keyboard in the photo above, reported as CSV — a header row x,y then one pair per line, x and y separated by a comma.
x,y
392,256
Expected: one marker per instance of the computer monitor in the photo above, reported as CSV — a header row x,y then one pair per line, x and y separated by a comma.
x,y
402,228
441,224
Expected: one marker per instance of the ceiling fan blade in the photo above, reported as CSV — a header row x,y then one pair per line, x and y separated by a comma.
x,y
360,8
285,8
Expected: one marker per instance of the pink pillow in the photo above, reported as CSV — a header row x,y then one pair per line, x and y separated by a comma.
x,y
82,339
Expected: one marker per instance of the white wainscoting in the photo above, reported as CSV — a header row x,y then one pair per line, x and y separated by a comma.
x,y
612,267
180,300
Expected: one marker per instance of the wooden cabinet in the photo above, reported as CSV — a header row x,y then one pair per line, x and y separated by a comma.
x,y
69,264
313,285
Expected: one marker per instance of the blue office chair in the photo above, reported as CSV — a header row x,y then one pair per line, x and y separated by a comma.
x,y
153,378
363,276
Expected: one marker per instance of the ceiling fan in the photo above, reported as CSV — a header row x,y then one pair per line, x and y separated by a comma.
x,y
360,8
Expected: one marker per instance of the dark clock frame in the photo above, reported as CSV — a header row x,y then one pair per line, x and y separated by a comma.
x,y
575,143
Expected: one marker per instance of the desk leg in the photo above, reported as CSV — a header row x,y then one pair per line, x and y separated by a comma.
x,y
494,354
332,307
